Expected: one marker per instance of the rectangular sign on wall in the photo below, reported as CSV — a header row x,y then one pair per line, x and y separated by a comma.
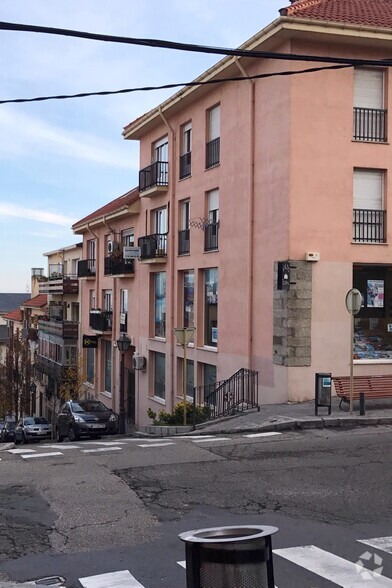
x,y
90,341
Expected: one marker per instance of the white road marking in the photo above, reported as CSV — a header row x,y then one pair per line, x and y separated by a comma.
x,y
381,543
156,444
193,436
95,450
213,439
50,454
267,434
18,451
342,572
123,579
109,443
63,446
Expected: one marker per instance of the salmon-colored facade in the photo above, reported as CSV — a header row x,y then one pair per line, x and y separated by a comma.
x,y
236,178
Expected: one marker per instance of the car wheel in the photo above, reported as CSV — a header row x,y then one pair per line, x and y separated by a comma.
x,y
59,438
72,434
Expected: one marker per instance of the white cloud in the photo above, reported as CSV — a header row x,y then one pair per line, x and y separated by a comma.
x,y
8,209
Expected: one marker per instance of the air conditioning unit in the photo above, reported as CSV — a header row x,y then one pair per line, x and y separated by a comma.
x,y
113,246
139,362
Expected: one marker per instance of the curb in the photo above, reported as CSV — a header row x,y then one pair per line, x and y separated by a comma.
x,y
5,447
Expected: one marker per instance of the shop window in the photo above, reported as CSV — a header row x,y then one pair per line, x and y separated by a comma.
x,y
189,298
160,305
373,323
159,375
211,307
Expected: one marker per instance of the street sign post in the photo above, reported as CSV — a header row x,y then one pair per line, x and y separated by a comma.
x,y
353,305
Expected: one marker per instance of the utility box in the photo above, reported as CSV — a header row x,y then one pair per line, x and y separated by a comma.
x,y
229,557
323,392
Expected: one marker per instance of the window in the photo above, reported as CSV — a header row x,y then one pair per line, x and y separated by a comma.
x,y
160,227
211,230
93,300
161,150
209,381
160,304
190,378
189,298
186,149
91,256
123,311
213,137
90,364
368,206
160,159
184,234
108,300
159,375
211,307
128,238
369,114
107,346
372,325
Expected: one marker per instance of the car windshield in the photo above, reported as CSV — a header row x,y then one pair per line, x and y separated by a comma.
x,y
93,406
75,407
10,426
35,421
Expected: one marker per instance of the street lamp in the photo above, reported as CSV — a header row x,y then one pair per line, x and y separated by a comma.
x,y
123,344
33,390
184,336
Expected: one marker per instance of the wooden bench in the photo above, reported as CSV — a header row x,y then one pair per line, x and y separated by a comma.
x,y
372,386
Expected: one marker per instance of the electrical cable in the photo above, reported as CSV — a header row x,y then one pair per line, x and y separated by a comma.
x,y
171,86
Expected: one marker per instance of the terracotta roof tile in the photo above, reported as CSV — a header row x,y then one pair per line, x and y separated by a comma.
x,y
36,302
14,315
116,204
371,13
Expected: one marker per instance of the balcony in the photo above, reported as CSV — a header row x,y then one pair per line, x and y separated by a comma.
x,y
370,124
153,248
101,320
213,153
44,365
116,267
211,237
183,242
185,165
63,329
86,268
369,226
154,179
59,285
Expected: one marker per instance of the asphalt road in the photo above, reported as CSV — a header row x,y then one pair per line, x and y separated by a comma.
x,y
91,508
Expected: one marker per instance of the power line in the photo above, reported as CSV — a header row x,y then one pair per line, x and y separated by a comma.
x,y
171,86
7,26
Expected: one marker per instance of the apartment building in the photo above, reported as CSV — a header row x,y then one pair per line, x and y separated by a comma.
x,y
260,204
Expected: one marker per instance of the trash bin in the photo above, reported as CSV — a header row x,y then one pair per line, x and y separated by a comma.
x,y
323,392
229,557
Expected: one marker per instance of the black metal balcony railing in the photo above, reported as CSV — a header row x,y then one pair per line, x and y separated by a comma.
x,y
153,246
156,174
115,267
185,165
86,268
101,320
183,241
369,226
211,236
370,124
213,153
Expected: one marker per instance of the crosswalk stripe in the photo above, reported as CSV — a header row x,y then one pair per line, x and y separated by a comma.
x,y
35,455
331,567
108,443
63,446
193,436
381,543
266,434
156,444
99,449
213,439
123,579
18,451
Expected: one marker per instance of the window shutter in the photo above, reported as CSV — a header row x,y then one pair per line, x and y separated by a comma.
x,y
368,189
368,88
213,200
214,123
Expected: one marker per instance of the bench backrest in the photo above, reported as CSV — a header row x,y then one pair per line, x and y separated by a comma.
x,y
366,384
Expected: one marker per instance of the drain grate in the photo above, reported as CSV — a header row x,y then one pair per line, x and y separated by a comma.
x,y
50,581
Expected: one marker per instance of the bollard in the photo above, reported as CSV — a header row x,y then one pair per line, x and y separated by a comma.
x,y
229,557
362,404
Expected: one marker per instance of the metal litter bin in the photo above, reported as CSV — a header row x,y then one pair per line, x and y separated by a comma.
x,y
229,557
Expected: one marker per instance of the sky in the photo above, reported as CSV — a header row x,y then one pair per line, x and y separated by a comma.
x,y
61,160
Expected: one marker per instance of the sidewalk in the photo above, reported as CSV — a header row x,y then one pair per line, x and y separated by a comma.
x,y
281,417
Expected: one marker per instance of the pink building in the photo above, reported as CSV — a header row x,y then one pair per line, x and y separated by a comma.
x,y
236,178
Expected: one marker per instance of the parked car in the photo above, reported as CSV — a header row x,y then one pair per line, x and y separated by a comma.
x,y
32,427
85,418
7,432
